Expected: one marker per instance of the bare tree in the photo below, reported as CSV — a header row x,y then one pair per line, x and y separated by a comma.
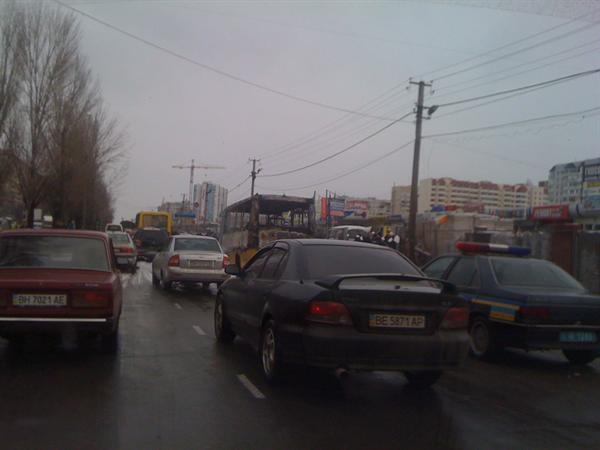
x,y
9,62
48,48
62,147
9,81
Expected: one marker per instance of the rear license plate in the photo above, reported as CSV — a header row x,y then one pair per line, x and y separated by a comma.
x,y
122,261
396,321
195,264
39,300
578,336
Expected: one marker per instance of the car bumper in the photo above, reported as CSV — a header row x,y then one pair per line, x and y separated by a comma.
x,y
32,325
544,337
126,260
332,347
196,276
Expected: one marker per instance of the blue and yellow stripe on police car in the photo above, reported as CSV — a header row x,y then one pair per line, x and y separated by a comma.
x,y
498,310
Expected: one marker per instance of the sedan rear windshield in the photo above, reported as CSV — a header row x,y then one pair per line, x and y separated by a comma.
x,y
197,244
53,252
152,237
324,260
533,273
120,239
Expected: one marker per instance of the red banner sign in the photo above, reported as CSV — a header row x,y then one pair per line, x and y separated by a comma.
x,y
551,213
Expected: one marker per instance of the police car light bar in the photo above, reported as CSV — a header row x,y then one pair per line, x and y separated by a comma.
x,y
476,247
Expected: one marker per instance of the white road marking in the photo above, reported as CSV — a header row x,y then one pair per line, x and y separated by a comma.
x,y
250,386
126,283
177,305
199,330
148,276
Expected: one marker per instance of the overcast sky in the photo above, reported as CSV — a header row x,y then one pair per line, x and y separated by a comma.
x,y
343,55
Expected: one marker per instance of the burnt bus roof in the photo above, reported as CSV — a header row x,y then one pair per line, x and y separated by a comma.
x,y
271,204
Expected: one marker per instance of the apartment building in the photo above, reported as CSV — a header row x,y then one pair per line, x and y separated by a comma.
x,y
210,200
400,204
445,192
574,182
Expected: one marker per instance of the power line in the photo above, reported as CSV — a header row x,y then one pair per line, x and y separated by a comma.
x,y
508,69
214,69
505,46
432,136
327,143
516,123
239,184
518,73
493,155
345,174
330,127
479,105
523,88
339,152
510,44
516,52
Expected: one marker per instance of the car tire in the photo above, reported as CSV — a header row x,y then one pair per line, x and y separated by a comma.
x,y
483,342
580,357
155,280
109,343
165,285
422,379
223,331
270,355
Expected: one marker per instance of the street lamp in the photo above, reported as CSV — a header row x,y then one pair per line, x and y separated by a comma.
x,y
432,109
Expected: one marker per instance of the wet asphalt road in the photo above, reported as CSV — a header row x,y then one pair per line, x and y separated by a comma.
x,y
172,387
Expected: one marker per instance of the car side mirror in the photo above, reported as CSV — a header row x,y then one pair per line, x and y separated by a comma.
x,y
234,269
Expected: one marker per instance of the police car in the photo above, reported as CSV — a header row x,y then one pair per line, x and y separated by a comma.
x,y
522,302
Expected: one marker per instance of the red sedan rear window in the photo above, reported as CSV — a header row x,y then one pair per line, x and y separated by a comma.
x,y
53,252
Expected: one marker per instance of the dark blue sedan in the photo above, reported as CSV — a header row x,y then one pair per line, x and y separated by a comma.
x,y
522,302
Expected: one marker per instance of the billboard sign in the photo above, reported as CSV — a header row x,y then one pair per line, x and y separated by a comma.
x,y
356,208
551,213
336,207
591,187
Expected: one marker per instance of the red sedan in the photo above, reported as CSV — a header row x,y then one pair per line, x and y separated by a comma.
x,y
57,281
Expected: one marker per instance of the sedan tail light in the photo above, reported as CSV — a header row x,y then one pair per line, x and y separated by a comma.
x,y
534,313
91,299
174,261
456,317
225,261
125,250
333,313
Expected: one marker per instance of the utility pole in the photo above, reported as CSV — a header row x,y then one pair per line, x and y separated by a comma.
x,y
328,211
253,174
193,166
414,187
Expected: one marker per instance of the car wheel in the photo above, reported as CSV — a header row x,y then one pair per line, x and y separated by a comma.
x,y
270,354
166,285
109,343
223,331
483,343
155,280
422,379
580,357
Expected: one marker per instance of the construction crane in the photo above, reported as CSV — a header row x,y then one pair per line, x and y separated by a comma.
x,y
193,166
